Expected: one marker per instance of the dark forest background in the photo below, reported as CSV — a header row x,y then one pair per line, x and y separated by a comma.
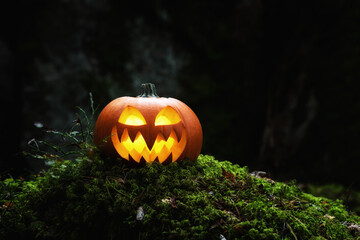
x,y
275,84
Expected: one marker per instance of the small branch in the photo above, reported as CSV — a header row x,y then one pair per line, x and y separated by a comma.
x,y
292,232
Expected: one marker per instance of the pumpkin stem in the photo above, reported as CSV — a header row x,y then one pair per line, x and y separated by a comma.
x,y
148,90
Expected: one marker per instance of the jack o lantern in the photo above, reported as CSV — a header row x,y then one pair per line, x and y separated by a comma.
x,y
149,128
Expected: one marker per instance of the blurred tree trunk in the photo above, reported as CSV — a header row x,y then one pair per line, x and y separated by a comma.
x,y
291,108
291,98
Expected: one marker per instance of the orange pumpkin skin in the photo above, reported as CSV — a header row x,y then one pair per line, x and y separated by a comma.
x,y
166,141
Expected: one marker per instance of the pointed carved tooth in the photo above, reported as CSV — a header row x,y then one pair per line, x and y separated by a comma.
x,y
135,155
178,148
171,141
176,152
124,136
163,154
126,142
178,130
132,134
153,156
159,143
135,146
121,150
166,131
146,155
139,143
160,137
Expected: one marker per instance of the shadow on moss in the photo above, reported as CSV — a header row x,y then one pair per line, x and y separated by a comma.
x,y
350,196
207,199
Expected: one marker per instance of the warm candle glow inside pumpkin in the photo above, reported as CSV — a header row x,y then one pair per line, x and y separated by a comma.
x,y
167,116
131,116
138,148
148,128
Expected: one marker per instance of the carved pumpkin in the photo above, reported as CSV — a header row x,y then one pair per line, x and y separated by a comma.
x,y
148,128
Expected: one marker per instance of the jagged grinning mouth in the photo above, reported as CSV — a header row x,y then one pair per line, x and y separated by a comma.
x,y
138,148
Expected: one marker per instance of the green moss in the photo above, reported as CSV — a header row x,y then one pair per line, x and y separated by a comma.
x,y
350,196
97,197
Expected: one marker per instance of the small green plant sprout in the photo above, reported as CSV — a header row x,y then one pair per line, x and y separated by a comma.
x,y
67,144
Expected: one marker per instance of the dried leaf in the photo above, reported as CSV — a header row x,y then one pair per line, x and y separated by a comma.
x,y
7,205
228,175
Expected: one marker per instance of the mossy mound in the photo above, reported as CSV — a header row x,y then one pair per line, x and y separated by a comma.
x,y
350,196
207,199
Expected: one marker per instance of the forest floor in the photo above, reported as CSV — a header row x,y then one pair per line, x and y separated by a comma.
x,y
84,195
96,197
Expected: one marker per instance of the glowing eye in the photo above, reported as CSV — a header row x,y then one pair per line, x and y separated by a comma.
x,y
131,116
167,116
